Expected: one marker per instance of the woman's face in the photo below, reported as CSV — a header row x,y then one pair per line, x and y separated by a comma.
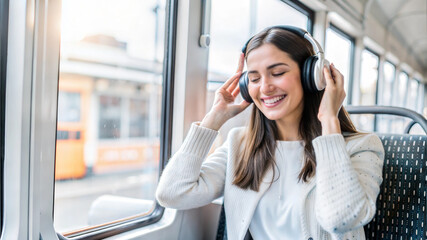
x,y
274,83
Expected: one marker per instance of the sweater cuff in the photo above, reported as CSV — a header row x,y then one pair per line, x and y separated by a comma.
x,y
330,149
199,140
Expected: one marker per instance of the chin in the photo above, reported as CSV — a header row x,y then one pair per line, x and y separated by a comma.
x,y
273,116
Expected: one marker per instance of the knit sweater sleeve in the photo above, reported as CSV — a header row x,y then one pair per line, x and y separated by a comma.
x,y
190,179
348,180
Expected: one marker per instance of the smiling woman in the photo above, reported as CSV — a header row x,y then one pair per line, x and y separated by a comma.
x,y
307,131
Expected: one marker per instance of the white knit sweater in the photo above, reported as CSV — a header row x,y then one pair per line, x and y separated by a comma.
x,y
337,202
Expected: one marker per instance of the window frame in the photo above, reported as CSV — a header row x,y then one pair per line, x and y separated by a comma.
x,y
4,13
299,6
109,230
352,40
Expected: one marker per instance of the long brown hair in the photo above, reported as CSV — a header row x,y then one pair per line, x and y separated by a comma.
x,y
260,138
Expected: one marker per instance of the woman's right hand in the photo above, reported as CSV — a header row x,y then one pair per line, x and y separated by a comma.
x,y
224,107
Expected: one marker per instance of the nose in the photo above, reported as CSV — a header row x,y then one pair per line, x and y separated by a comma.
x,y
266,85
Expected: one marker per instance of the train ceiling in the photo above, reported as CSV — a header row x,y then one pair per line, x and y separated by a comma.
x,y
407,20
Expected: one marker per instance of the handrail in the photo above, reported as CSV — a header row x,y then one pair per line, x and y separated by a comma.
x,y
409,126
391,110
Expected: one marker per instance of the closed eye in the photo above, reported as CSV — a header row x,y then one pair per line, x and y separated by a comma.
x,y
278,74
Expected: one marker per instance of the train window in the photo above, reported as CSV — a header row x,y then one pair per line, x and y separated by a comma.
x,y
228,40
368,88
109,113
411,100
69,106
339,50
385,96
400,99
401,89
110,109
387,83
421,96
423,100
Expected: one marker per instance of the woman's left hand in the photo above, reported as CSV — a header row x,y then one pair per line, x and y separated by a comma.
x,y
331,101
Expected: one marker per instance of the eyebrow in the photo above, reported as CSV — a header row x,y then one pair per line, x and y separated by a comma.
x,y
270,67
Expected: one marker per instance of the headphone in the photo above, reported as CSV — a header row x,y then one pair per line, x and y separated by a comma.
x,y
312,72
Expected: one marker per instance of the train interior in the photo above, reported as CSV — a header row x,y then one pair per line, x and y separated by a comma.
x,y
96,96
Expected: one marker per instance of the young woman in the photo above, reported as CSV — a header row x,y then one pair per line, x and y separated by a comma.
x,y
300,170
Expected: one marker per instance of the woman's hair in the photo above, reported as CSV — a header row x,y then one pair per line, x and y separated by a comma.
x,y
260,138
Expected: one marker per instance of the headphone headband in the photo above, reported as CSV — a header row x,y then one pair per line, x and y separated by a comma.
x,y
312,71
296,30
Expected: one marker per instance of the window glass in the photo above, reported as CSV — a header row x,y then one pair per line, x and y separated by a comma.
x,y
389,75
385,97
421,98
339,50
368,88
69,104
230,31
228,39
109,108
411,100
401,88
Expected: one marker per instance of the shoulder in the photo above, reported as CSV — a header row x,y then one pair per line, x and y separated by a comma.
x,y
236,133
364,142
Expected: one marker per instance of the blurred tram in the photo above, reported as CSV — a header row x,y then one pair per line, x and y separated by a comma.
x,y
108,110
96,95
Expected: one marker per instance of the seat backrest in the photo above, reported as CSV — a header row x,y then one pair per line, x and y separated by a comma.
x,y
401,204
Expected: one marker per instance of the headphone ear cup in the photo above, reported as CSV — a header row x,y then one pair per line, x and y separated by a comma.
x,y
308,80
243,86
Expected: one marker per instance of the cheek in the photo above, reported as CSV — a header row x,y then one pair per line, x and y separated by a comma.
x,y
293,84
253,90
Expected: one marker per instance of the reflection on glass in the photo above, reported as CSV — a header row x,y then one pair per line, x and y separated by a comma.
x,y
338,50
109,111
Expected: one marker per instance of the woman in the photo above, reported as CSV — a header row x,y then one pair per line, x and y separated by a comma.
x,y
300,170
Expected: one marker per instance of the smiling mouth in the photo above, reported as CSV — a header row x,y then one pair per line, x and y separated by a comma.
x,y
271,102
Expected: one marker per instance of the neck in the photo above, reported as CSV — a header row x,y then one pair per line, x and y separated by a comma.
x,y
289,128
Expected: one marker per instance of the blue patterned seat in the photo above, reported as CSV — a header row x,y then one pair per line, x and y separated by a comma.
x,y
401,205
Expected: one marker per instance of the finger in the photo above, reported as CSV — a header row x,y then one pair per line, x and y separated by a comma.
x,y
233,85
243,105
328,77
231,80
235,92
337,76
241,62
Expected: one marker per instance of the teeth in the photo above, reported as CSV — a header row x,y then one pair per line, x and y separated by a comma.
x,y
273,100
